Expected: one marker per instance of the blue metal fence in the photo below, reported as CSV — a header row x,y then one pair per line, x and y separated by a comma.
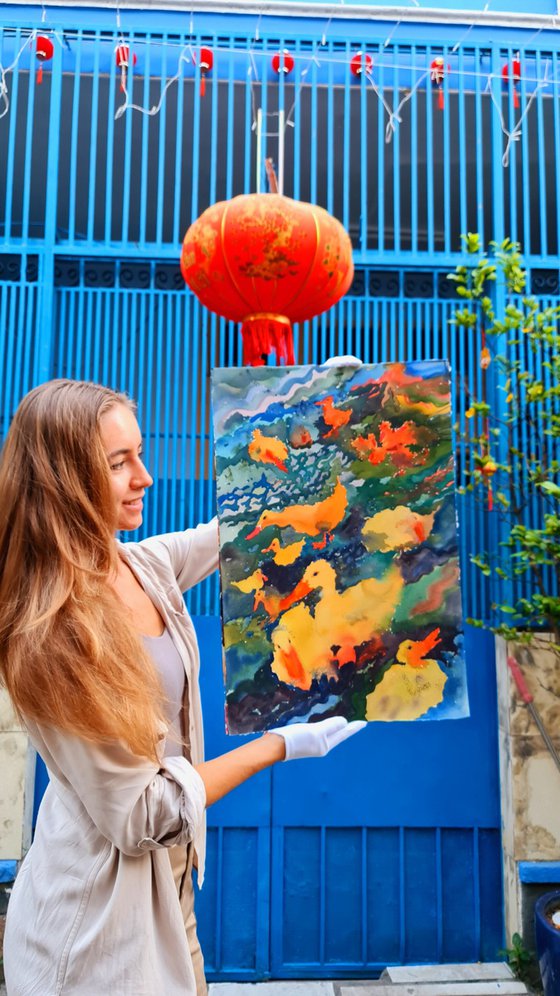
x,y
87,192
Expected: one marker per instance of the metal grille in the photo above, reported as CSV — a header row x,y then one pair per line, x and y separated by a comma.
x,y
93,207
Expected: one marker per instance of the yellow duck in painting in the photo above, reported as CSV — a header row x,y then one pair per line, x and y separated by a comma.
x,y
396,529
254,582
284,555
408,689
311,520
303,642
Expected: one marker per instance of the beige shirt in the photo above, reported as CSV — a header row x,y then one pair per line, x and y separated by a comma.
x,y
94,908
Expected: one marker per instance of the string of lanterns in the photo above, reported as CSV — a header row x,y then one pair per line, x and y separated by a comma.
x,y
283,64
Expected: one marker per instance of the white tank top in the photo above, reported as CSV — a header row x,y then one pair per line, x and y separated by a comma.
x,y
167,659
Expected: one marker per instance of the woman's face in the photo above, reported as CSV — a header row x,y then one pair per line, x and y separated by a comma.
x,y
122,442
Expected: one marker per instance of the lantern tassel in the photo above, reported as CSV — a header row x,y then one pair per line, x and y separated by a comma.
x,y
265,334
441,99
39,75
515,97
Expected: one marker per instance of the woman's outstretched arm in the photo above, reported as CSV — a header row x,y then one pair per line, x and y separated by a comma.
x,y
287,743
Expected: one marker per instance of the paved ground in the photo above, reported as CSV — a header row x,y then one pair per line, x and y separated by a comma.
x,y
303,988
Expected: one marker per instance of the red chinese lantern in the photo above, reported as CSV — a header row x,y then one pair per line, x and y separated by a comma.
x,y
437,76
515,77
122,59
266,260
361,62
44,51
283,62
206,62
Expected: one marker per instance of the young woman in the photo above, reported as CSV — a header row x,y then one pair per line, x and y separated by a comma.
x,y
101,661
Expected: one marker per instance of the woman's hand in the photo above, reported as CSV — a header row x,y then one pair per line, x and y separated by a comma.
x,y
316,739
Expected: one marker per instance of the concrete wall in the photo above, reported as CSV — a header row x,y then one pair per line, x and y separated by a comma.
x,y
530,781
17,767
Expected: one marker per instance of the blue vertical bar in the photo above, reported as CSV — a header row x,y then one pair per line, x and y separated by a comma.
x,y
46,299
299,125
29,122
92,177
430,55
145,148
346,147
402,896
512,170
177,178
330,135
74,140
381,162
396,159
365,87
231,117
11,154
541,161
162,144
316,154
556,134
109,164
414,165
127,120
480,146
446,156
195,144
462,178
525,178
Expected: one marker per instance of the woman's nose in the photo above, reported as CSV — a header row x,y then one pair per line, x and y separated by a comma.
x,y
142,478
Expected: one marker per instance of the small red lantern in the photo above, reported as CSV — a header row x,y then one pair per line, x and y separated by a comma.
x,y
515,77
266,260
44,51
437,76
361,62
283,62
122,59
206,62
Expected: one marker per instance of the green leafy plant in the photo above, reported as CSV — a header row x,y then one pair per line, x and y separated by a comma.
x,y
523,963
511,435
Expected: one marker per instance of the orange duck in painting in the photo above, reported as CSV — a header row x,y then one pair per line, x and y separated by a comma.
x,y
310,520
335,417
268,449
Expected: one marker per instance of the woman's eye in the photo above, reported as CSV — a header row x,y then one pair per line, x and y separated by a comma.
x,y
117,466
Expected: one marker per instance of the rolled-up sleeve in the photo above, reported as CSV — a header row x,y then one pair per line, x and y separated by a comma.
x,y
192,553
132,802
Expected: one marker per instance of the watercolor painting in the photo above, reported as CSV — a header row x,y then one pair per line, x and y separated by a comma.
x,y
338,544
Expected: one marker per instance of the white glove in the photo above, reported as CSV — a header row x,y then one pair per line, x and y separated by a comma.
x,y
342,361
316,739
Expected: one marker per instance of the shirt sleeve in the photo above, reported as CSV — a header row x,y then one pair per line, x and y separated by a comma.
x,y
193,553
132,802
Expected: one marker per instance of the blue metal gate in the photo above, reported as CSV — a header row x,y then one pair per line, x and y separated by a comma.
x,y
389,851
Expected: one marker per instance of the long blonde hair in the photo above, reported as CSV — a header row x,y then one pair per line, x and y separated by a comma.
x,y
69,654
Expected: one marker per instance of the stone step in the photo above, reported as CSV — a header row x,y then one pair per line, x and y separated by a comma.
x,y
477,972
502,987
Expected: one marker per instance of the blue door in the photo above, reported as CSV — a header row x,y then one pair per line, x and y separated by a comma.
x,y
386,852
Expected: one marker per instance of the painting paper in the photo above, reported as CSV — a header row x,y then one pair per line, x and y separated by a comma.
x,y
338,544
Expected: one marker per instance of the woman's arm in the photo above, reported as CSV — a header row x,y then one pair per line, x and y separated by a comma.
x,y
226,772
287,743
